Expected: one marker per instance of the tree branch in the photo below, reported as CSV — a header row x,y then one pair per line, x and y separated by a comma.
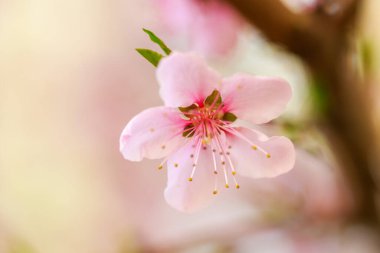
x,y
322,40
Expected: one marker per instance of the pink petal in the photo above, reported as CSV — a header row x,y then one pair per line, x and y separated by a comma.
x,y
182,194
185,79
177,16
254,163
254,98
153,133
216,29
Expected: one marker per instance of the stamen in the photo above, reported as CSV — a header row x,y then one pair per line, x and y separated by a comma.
x,y
222,158
199,145
161,165
214,161
233,172
176,165
241,136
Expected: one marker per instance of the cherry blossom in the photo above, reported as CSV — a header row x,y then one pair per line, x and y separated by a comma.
x,y
197,131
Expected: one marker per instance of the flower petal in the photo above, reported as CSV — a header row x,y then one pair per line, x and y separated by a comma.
x,y
184,195
254,98
185,79
254,163
153,133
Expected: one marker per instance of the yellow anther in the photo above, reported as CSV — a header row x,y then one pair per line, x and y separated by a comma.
x,y
190,179
215,172
254,147
223,163
234,173
215,192
227,186
176,165
160,167
268,155
237,186
206,141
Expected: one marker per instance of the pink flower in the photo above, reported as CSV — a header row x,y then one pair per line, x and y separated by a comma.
x,y
197,135
211,27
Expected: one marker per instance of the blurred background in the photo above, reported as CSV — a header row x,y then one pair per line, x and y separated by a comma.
x,y
70,80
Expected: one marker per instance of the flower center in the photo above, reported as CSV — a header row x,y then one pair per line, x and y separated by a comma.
x,y
207,120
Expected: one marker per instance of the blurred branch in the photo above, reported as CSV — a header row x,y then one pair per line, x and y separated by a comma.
x,y
322,39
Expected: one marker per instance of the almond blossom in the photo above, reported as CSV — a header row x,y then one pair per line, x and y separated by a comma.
x,y
197,131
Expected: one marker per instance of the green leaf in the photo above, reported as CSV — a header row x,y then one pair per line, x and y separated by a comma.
x,y
319,96
188,108
152,56
214,99
228,116
367,55
158,41
188,131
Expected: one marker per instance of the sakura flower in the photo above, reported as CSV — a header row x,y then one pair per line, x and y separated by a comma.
x,y
196,134
210,27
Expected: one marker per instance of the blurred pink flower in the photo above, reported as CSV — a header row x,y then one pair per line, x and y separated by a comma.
x,y
211,27
196,133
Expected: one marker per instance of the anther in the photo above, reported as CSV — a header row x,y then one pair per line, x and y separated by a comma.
x,y
214,150
234,173
228,153
229,147
215,192
220,153
176,165
215,172
227,186
192,156
223,162
163,146
237,186
160,167
254,147
268,155
190,179
152,129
